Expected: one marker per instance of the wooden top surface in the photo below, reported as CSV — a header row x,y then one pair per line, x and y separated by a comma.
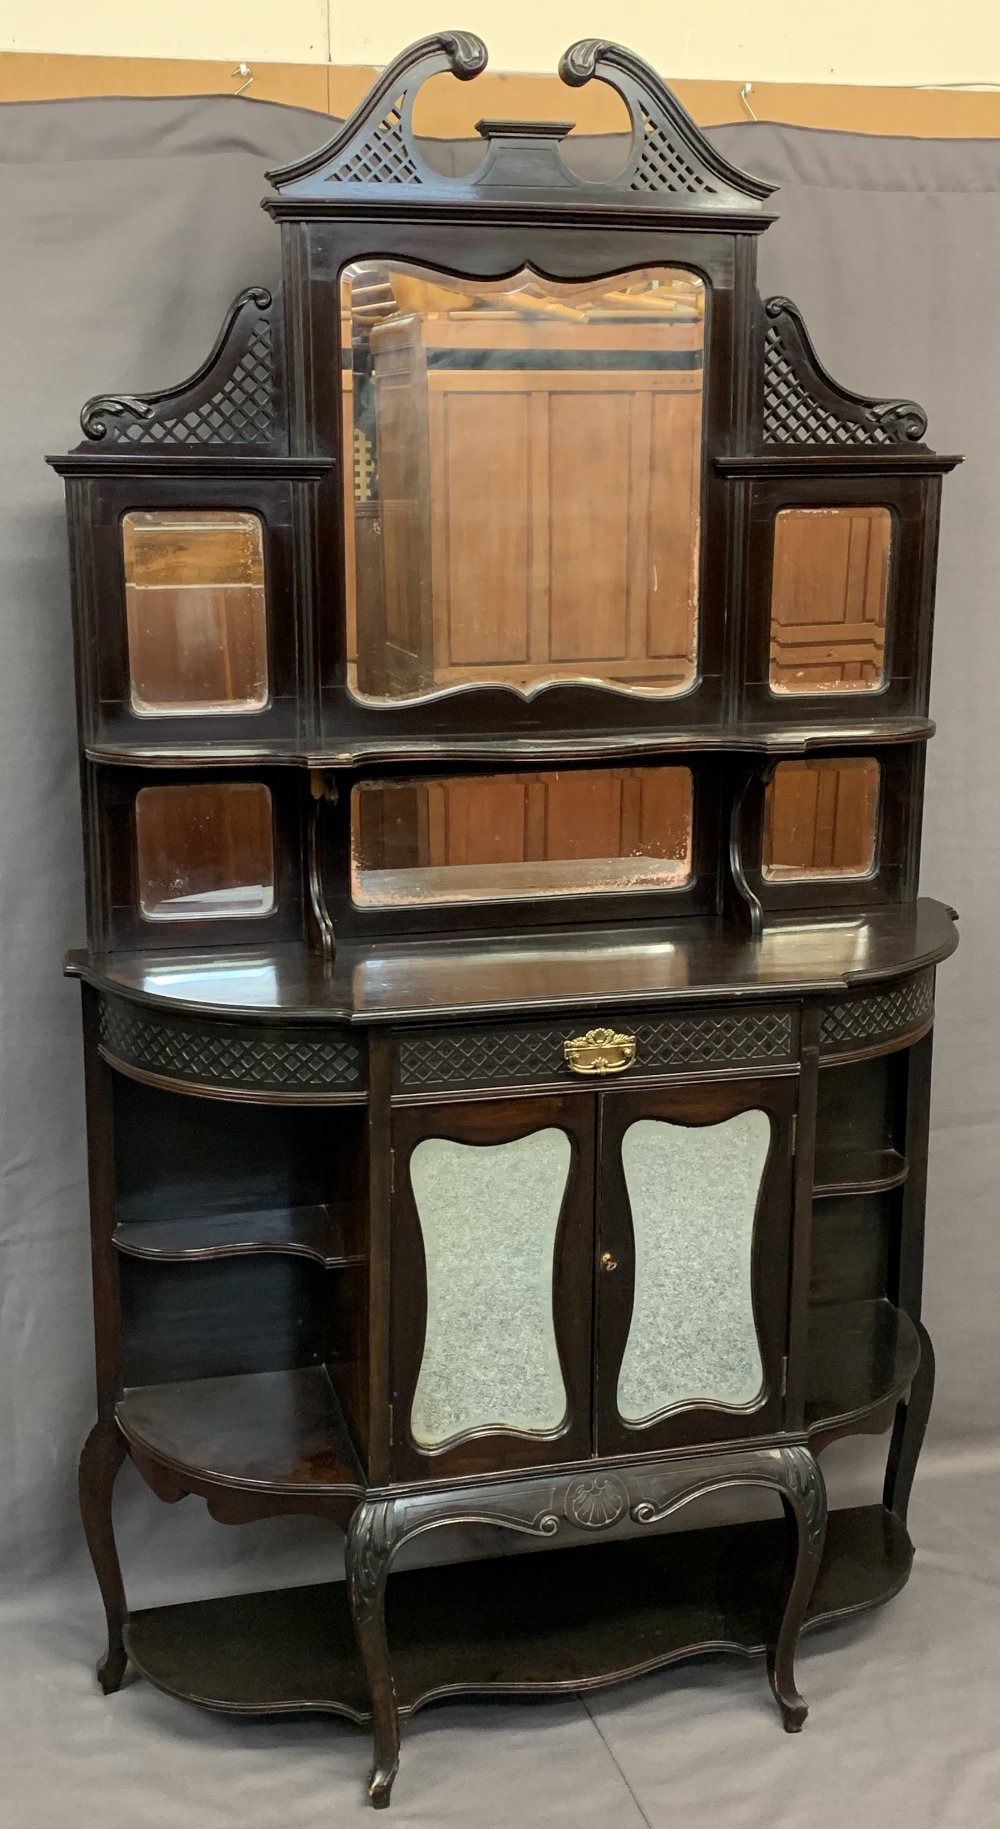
x,y
650,963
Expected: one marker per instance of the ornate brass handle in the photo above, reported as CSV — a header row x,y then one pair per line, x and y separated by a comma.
x,y
599,1051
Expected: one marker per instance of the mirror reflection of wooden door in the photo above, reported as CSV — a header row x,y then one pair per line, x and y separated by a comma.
x,y
535,450
550,532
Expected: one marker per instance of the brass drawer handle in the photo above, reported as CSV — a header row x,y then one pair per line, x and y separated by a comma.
x,y
599,1051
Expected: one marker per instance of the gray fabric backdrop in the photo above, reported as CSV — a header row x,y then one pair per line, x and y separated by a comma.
x,y
127,226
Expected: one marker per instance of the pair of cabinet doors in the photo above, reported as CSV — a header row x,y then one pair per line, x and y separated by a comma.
x,y
580,1274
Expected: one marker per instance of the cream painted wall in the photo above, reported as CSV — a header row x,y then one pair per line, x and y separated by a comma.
x,y
842,41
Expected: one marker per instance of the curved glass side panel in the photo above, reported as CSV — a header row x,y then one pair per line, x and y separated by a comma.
x,y
195,610
829,599
488,1219
693,1194
496,838
524,503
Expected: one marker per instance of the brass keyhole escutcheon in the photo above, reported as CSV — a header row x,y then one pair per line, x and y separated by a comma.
x,y
608,1261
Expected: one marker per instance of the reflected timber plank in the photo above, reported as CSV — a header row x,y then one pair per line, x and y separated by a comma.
x,y
556,1620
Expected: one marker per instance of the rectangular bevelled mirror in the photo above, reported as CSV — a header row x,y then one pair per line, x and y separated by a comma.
x,y
829,598
204,851
491,838
821,819
523,497
195,611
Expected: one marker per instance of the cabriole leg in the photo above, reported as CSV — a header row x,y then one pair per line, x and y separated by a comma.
x,y
805,1501
368,1553
908,1432
103,1454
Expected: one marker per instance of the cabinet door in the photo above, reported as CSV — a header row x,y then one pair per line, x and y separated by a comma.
x,y
492,1284
695,1212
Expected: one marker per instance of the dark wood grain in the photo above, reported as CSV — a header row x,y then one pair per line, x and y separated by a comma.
x,y
650,964
556,1621
317,1232
282,1430
861,1355
259,1287
864,1171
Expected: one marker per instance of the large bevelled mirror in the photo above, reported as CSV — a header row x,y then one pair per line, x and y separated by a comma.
x,y
523,496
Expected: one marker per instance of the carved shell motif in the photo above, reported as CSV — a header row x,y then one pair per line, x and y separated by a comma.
x,y
596,1501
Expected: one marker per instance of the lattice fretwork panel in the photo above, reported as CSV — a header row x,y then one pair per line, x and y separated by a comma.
x,y
383,159
663,167
792,414
229,1056
241,412
879,1015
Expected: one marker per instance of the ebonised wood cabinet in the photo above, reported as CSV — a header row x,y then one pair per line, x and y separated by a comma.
x,y
503,681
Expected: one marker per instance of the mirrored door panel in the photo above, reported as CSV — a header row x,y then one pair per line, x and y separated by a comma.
x,y
693,1196
492,1269
695,1212
524,498
490,1358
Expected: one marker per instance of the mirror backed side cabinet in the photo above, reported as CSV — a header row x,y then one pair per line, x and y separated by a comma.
x,y
503,678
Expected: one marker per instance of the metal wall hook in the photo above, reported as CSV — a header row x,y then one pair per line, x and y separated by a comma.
x,y
246,72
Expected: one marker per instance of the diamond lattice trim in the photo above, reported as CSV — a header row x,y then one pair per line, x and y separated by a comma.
x,y
383,159
232,1057
514,1056
662,166
792,414
240,413
880,1014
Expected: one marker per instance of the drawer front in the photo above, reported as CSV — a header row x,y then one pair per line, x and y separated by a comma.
x,y
511,1057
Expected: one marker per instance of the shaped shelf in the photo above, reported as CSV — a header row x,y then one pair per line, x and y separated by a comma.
x,y
861,1357
279,1432
561,1620
318,1232
853,1171
406,747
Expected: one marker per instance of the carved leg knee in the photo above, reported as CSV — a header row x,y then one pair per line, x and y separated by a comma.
x,y
804,1499
103,1454
370,1543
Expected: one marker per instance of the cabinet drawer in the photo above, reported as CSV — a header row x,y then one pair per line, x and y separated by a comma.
x,y
514,1056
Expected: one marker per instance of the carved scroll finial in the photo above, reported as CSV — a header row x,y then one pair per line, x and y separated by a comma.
x,y
669,152
228,401
376,144
803,405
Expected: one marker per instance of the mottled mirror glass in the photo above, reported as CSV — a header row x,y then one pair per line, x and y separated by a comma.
x,y
829,594
464,838
204,851
488,1220
524,500
821,818
693,1195
195,611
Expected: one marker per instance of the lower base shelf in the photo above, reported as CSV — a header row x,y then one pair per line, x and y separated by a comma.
x,y
560,1620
